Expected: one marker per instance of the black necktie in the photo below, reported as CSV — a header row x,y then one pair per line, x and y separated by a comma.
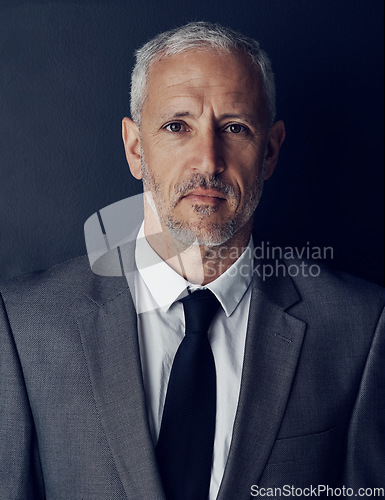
x,y
185,446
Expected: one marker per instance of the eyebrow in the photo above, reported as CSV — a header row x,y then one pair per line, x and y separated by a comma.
x,y
242,116
182,114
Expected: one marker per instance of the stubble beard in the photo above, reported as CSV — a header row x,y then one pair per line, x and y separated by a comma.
x,y
200,233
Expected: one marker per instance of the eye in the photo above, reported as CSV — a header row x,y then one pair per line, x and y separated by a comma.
x,y
175,127
236,128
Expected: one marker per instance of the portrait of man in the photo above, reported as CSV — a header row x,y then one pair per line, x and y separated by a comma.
x,y
183,357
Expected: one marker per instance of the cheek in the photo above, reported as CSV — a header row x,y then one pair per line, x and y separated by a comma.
x,y
248,156
245,174
165,162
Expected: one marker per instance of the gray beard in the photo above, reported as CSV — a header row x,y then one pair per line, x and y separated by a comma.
x,y
189,234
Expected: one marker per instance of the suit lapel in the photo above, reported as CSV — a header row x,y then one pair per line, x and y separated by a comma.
x,y
109,336
273,344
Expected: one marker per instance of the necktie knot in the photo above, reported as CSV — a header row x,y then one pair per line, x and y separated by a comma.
x,y
200,308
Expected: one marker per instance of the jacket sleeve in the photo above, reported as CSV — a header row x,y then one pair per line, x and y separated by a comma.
x,y
365,459
20,471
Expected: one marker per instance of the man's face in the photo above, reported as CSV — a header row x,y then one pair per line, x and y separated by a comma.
x,y
204,138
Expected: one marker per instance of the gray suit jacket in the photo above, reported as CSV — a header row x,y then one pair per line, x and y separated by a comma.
x,y
73,415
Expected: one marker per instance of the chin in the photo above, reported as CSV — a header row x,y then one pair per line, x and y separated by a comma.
x,y
212,235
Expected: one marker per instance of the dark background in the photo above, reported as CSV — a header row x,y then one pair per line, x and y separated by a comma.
x,y
64,88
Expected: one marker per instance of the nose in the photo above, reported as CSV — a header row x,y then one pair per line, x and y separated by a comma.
x,y
208,154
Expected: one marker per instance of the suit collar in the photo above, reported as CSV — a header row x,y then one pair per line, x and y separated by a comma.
x,y
273,344
110,342
279,289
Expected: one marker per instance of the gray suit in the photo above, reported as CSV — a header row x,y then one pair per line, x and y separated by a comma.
x,y
73,415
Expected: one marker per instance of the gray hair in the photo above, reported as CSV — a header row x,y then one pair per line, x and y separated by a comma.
x,y
198,35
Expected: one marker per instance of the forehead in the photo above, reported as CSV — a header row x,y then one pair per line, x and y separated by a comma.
x,y
202,77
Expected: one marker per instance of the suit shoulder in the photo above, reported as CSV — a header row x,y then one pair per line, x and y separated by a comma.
x,y
69,271
325,280
64,285
335,296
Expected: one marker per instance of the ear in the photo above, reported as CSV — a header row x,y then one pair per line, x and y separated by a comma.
x,y
276,137
131,139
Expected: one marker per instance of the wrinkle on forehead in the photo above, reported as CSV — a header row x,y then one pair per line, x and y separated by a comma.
x,y
197,87
233,98
200,81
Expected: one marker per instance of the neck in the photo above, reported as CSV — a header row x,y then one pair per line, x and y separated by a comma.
x,y
198,264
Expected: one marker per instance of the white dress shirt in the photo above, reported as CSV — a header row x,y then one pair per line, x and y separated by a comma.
x,y
161,330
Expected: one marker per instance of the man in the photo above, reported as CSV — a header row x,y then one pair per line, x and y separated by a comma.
x,y
96,398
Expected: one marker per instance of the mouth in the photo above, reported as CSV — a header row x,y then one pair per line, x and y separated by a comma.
x,y
205,196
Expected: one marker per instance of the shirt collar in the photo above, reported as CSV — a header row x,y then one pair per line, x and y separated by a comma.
x,y
228,288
